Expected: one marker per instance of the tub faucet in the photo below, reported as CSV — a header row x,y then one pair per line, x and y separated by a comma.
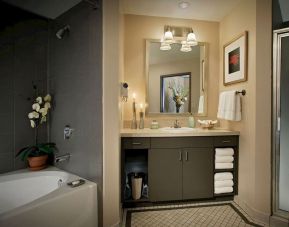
x,y
177,124
61,158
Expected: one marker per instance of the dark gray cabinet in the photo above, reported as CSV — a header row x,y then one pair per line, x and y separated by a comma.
x,y
177,168
177,174
198,164
165,174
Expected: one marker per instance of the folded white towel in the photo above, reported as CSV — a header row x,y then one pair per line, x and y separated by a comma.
x,y
223,190
201,105
223,183
224,165
224,159
223,176
229,106
224,151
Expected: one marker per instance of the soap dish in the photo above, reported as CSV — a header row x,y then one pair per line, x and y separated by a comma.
x,y
207,124
76,183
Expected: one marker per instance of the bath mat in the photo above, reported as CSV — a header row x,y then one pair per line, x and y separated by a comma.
x,y
225,214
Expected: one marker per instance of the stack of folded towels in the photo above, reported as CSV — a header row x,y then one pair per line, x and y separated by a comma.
x,y
223,182
224,158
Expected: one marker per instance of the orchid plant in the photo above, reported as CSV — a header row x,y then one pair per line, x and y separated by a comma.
x,y
40,109
179,94
38,116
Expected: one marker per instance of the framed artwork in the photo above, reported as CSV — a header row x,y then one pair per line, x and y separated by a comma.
x,y
235,60
175,93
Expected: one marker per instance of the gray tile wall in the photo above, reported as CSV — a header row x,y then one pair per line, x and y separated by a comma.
x,y
23,60
75,81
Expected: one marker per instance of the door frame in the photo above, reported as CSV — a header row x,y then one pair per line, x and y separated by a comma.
x,y
277,46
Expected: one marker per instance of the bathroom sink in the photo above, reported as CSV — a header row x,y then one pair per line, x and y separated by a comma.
x,y
183,129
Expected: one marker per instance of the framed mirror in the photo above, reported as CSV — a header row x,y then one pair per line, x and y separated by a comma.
x,y
176,80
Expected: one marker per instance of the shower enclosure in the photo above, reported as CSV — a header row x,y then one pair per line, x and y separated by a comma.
x,y
280,203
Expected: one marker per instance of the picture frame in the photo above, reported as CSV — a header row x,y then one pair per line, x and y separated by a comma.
x,y
181,84
235,60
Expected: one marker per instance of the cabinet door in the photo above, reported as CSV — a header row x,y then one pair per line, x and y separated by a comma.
x,y
165,174
198,173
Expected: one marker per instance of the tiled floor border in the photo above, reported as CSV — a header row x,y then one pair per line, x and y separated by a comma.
x,y
128,213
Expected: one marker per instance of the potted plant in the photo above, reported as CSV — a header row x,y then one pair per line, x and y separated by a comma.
x,y
179,95
38,153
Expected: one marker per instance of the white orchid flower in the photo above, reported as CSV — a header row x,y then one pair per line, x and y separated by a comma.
x,y
35,114
47,105
43,111
36,107
31,115
47,98
32,123
43,119
39,100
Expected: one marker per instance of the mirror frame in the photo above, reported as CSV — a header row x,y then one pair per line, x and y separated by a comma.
x,y
203,80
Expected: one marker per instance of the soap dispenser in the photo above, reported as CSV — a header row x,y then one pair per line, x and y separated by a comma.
x,y
191,121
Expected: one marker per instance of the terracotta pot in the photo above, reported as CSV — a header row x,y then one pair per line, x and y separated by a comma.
x,y
37,163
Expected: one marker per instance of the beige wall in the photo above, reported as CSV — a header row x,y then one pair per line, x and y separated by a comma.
x,y
254,163
140,28
112,55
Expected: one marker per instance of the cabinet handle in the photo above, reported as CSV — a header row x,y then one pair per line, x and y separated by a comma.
x,y
226,141
187,156
180,157
136,143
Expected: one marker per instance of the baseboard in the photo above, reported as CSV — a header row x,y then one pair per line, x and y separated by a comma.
x,y
257,215
278,222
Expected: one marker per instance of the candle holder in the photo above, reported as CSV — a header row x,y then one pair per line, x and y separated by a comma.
x,y
141,120
133,121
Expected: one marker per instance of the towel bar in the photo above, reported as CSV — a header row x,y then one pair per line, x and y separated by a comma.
x,y
243,92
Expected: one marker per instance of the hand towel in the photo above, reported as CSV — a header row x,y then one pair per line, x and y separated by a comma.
x,y
223,176
223,190
223,183
224,159
224,151
229,106
224,165
201,105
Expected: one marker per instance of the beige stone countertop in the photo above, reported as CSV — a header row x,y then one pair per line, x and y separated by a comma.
x,y
171,132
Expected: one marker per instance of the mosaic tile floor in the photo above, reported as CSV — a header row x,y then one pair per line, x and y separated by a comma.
x,y
201,214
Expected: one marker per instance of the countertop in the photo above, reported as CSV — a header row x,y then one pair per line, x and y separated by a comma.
x,y
147,132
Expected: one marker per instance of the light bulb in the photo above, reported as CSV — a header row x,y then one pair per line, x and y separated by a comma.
x,y
191,39
165,46
168,37
185,47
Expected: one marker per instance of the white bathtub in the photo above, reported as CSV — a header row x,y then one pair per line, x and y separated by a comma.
x,y
42,198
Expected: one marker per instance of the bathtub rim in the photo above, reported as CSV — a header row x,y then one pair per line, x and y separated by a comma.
x,y
53,195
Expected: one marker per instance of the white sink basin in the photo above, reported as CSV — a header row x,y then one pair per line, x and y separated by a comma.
x,y
183,129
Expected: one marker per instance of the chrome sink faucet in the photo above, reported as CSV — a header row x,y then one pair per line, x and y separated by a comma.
x,y
177,124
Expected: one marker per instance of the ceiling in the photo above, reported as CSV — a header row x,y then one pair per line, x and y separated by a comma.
x,y
46,8
209,10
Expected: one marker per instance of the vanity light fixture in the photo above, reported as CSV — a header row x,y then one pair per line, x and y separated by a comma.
x,y
165,46
184,35
168,36
191,38
185,47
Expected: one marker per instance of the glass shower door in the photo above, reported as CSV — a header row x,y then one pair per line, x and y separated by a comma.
x,y
281,123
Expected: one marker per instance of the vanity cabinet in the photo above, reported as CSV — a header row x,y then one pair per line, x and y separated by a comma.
x,y
165,174
198,166
176,174
177,168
